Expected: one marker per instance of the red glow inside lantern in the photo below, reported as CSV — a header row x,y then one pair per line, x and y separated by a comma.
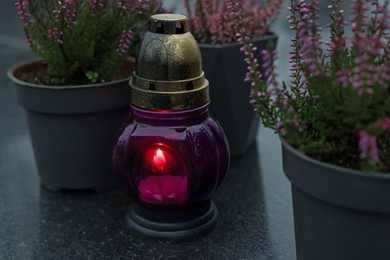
x,y
166,185
159,160
163,189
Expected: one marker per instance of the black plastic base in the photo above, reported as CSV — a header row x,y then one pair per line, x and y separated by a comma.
x,y
174,224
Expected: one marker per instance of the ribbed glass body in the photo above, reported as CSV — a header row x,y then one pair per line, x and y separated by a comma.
x,y
171,158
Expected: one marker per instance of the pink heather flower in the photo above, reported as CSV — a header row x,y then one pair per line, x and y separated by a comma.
x,y
57,15
21,7
360,63
368,147
269,67
70,18
295,120
383,75
262,97
124,42
359,18
253,75
382,16
295,67
97,4
220,27
28,41
211,20
280,128
56,35
343,77
65,13
302,57
367,44
144,6
331,49
365,75
383,125
70,13
309,38
125,7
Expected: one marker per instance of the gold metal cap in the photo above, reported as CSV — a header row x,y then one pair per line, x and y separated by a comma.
x,y
168,72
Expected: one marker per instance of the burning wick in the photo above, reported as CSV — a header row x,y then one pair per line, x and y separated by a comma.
x,y
162,187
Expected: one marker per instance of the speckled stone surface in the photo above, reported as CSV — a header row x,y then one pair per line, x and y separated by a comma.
x,y
254,202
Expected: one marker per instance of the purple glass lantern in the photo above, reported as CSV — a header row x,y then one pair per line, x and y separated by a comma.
x,y
172,155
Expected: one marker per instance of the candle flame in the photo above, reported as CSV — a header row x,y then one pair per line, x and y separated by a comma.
x,y
159,160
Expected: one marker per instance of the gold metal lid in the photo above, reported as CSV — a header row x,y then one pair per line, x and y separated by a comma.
x,y
168,72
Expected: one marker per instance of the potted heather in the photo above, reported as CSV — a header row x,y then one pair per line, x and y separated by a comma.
x,y
76,96
223,66
333,119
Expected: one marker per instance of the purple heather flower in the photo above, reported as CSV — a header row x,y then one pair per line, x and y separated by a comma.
x,y
295,120
125,7
97,4
331,49
211,20
383,125
269,67
360,63
124,42
28,41
280,128
359,18
310,39
70,18
70,13
366,74
343,77
66,13
253,75
144,6
21,7
368,147
384,75
295,61
218,29
56,35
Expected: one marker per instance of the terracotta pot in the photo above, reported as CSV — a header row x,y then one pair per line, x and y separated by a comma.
x,y
225,69
339,213
73,129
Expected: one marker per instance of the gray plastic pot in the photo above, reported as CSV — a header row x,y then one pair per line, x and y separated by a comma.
x,y
339,213
225,69
73,129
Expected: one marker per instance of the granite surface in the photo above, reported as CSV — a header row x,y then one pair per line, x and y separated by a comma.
x,y
254,202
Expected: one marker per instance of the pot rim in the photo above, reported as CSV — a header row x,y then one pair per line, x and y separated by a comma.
x,y
11,76
344,170
266,37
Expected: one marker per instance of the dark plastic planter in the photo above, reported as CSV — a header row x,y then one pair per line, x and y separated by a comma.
x,y
73,129
225,69
339,214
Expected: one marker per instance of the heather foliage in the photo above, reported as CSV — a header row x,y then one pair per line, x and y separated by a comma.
x,y
84,41
210,22
337,106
